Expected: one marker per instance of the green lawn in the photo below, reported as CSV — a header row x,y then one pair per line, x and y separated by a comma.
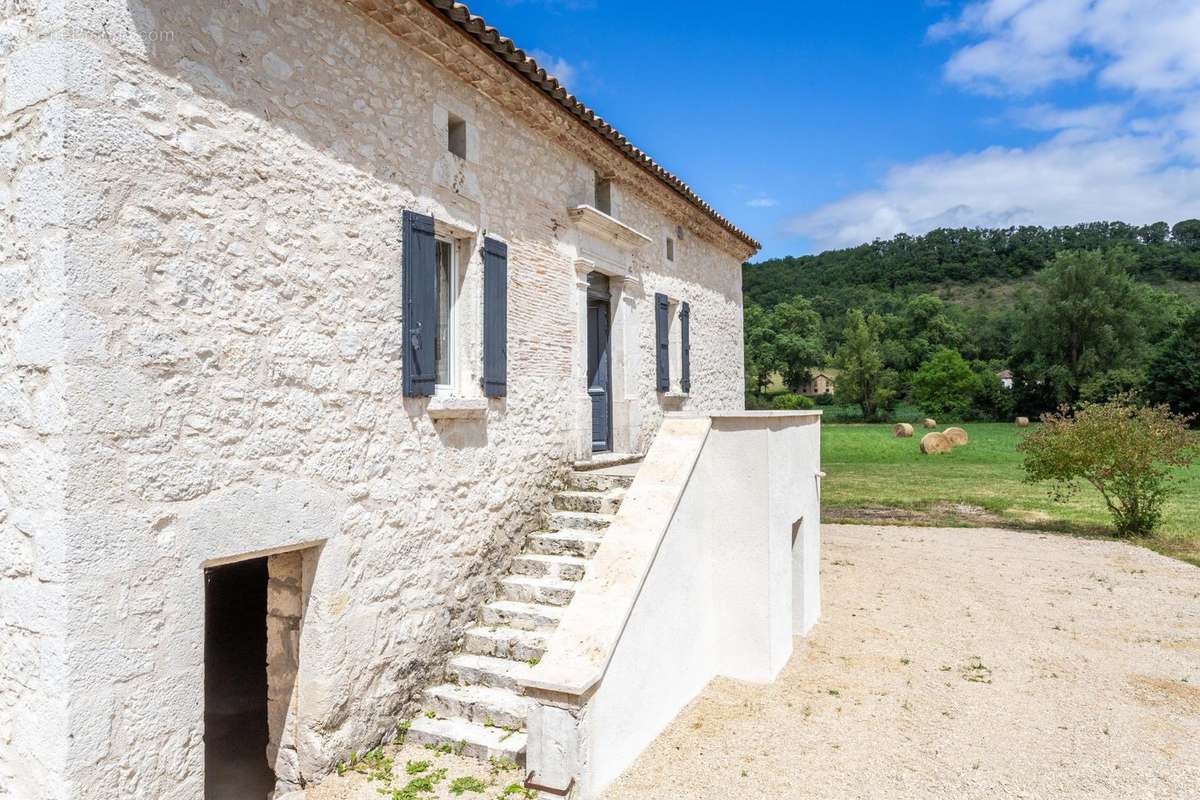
x,y
872,476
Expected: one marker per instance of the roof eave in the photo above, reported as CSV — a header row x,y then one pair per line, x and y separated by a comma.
x,y
527,68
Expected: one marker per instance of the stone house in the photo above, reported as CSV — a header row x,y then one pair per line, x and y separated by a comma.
x,y
338,337
823,382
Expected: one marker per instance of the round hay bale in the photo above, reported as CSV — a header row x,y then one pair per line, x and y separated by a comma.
x,y
902,430
957,436
935,443
1022,422
928,423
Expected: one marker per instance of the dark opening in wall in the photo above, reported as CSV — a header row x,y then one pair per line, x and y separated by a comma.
x,y
235,682
457,136
603,195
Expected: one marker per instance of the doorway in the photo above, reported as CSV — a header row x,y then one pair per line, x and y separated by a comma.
x,y
599,362
235,682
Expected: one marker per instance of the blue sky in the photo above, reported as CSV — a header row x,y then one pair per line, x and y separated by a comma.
x,y
823,124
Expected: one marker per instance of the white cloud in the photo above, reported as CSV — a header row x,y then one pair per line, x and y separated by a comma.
x,y
565,71
1045,117
1025,45
762,201
1137,159
1064,180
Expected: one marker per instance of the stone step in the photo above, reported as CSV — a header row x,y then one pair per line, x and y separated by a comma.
x,y
548,591
482,705
505,642
565,568
525,616
565,543
472,670
598,481
595,502
579,520
469,739
606,461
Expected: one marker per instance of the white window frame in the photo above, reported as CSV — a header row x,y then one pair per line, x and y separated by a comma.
x,y
452,344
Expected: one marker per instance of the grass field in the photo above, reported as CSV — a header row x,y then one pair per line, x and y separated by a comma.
x,y
871,476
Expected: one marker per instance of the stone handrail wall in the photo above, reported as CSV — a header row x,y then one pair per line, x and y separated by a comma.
x,y
709,569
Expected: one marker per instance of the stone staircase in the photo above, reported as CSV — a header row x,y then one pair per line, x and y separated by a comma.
x,y
479,711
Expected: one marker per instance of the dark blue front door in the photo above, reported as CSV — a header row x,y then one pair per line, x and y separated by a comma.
x,y
599,372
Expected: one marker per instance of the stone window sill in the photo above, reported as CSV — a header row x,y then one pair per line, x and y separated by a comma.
x,y
677,397
457,408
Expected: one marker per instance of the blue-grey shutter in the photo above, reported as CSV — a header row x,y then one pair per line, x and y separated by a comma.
x,y
420,304
685,354
662,353
495,318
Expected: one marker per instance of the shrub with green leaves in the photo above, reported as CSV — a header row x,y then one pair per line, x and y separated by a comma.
x,y
1128,453
791,402
469,783
944,386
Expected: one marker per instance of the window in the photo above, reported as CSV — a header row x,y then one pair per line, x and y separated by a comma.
x,y
457,136
672,343
447,299
670,249
603,195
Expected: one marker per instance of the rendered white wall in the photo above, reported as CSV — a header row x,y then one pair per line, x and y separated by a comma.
x,y
697,577
718,597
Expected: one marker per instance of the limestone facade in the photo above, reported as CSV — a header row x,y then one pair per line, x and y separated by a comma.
x,y
200,361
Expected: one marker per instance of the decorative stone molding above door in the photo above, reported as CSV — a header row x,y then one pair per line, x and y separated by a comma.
x,y
606,245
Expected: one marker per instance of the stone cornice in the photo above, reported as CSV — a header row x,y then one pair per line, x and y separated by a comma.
x,y
610,229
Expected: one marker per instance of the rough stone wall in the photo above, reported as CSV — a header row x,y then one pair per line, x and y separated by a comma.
x,y
232,185
285,614
33,420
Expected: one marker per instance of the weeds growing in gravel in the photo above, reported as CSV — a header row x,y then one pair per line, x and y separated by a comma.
x,y
459,786
976,671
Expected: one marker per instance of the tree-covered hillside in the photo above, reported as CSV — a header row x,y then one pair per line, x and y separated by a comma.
x,y
1075,313
969,255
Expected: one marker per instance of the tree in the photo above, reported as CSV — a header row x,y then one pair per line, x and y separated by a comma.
x,y
1155,233
926,327
1173,376
863,381
1084,318
944,385
799,345
1128,453
990,399
759,347
1187,232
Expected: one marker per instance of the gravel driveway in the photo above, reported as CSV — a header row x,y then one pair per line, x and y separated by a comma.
x,y
960,663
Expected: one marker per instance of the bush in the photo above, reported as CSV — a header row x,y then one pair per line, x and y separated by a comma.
x,y
944,386
791,402
824,400
757,402
1126,452
990,401
1113,383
